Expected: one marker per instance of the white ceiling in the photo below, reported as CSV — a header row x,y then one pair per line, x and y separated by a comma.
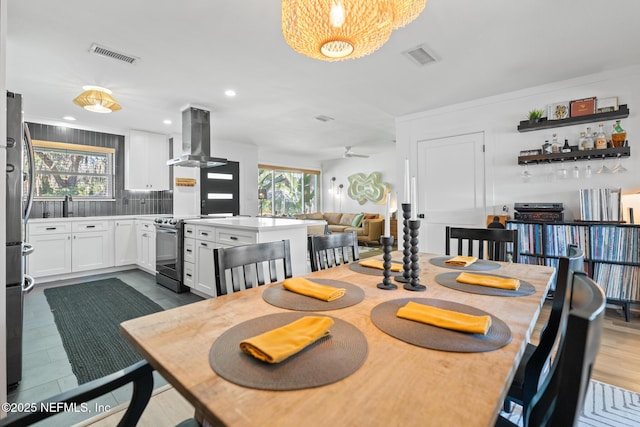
x,y
192,50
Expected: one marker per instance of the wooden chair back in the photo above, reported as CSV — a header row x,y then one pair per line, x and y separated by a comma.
x,y
140,374
502,245
246,265
552,332
331,250
561,397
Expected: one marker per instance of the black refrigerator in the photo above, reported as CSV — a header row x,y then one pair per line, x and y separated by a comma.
x,y
20,169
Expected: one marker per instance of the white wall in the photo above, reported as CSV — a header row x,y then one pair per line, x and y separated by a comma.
x,y
341,169
499,116
3,198
247,155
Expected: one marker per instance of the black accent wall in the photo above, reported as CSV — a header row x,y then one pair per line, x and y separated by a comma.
x,y
127,202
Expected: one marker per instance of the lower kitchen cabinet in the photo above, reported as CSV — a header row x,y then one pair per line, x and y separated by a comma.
x,y
125,246
205,270
200,263
92,245
146,246
52,254
69,247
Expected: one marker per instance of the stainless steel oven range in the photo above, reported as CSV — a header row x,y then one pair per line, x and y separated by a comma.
x,y
169,253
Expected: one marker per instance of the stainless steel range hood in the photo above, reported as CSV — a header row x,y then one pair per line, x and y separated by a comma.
x,y
196,141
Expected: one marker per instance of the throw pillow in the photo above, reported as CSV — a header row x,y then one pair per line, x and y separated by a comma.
x,y
357,220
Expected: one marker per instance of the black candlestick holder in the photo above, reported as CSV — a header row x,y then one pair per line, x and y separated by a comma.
x,y
387,243
406,252
414,284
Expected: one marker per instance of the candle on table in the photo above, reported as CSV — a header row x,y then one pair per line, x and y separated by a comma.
x,y
387,222
414,199
406,181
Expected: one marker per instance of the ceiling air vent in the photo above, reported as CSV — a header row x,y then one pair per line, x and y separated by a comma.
x,y
324,118
110,53
419,55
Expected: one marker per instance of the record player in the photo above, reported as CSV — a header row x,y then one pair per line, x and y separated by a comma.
x,y
542,212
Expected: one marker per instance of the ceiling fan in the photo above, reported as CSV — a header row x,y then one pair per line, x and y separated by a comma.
x,y
348,153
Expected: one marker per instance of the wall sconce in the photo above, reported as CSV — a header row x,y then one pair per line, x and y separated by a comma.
x,y
332,185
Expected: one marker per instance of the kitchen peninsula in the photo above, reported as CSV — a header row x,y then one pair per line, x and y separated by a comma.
x,y
79,246
202,236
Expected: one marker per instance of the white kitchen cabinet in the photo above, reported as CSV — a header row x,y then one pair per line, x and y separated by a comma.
x,y
207,235
52,249
204,268
145,159
125,242
146,246
92,245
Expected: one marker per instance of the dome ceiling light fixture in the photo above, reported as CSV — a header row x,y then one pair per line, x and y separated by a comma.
x,y
334,30
97,99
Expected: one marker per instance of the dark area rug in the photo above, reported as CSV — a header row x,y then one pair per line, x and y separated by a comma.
x,y
88,317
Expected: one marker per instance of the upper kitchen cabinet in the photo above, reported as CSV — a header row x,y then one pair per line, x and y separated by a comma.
x,y
145,159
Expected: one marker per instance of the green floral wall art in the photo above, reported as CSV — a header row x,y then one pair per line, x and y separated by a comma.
x,y
363,188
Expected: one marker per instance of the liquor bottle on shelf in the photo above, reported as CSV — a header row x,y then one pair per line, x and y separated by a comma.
x,y
582,141
588,142
601,138
566,148
556,147
618,135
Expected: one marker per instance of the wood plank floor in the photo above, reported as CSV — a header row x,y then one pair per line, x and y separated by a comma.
x,y
618,363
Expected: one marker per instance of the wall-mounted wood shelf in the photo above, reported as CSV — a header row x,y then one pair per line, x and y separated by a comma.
x,y
575,155
621,113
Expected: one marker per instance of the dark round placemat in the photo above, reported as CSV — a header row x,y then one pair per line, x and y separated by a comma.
x,y
433,337
479,265
280,297
328,360
354,266
449,280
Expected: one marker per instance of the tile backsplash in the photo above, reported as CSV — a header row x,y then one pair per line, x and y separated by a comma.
x,y
127,202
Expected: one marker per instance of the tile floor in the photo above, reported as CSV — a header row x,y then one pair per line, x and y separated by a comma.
x,y
46,370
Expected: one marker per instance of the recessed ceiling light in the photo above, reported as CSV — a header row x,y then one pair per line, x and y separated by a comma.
x,y
230,93
167,121
69,118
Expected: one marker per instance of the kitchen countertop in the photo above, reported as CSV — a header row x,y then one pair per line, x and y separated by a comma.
x,y
255,223
93,218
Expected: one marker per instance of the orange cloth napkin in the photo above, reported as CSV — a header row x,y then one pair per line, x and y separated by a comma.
x,y
278,344
445,318
311,289
376,263
461,261
491,281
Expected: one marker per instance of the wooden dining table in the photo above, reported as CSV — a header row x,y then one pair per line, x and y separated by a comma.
x,y
399,384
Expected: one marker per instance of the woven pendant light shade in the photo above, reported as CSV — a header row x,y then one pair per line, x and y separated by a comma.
x,y
333,30
97,100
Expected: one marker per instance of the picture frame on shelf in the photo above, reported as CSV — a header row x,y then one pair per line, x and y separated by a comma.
x,y
558,111
607,105
583,107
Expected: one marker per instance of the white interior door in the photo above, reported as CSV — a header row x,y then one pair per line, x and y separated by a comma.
x,y
451,187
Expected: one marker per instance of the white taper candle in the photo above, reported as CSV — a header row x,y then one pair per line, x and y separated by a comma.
x,y
387,222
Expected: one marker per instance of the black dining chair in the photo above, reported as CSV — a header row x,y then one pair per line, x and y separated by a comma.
x,y
560,398
331,250
140,374
502,245
245,265
535,358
